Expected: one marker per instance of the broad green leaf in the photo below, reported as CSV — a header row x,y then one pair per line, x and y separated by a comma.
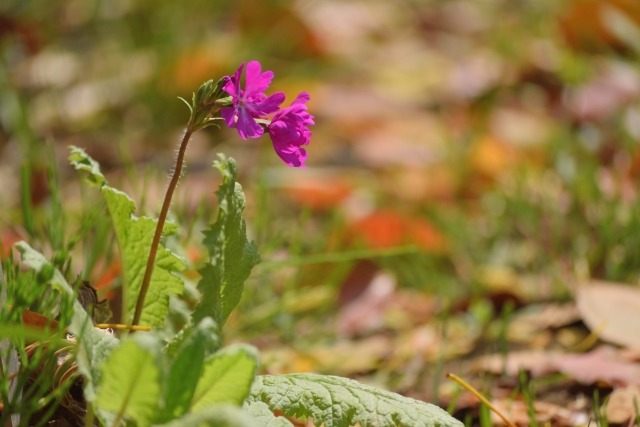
x,y
340,402
134,237
218,416
232,256
226,378
264,416
94,345
130,386
185,370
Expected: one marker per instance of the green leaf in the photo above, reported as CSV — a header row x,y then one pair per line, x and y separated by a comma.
x,y
81,161
185,370
130,385
134,237
226,378
217,416
232,256
94,345
263,415
340,402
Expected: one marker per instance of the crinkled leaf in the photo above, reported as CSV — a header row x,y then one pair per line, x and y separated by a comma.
x,y
81,161
340,402
218,416
226,378
185,370
93,344
264,416
232,256
134,237
130,386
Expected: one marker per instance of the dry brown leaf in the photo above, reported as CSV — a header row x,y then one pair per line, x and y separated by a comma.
x,y
584,26
617,85
543,316
612,311
389,229
534,324
538,363
544,412
351,357
319,193
365,312
604,364
621,404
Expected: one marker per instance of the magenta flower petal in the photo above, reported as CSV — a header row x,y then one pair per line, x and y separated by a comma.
x,y
232,87
272,103
228,114
257,81
247,126
251,102
289,131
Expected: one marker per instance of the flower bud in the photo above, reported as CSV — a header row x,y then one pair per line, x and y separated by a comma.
x,y
204,102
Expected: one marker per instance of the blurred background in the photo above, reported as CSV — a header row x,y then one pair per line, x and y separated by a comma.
x,y
470,159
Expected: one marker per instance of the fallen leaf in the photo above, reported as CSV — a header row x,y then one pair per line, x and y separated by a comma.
x,y
365,312
621,404
612,311
105,283
388,229
490,157
8,237
528,323
320,194
519,413
603,364
616,86
32,318
583,23
351,357
537,363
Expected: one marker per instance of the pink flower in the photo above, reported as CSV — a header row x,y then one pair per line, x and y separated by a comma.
x,y
289,131
251,102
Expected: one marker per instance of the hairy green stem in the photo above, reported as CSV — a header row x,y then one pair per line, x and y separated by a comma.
x,y
161,220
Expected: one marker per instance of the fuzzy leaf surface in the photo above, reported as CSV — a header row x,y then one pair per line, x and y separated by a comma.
x,y
226,378
185,370
218,416
94,346
341,402
134,235
232,256
130,385
263,415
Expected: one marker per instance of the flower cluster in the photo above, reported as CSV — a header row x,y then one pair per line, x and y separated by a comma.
x,y
250,108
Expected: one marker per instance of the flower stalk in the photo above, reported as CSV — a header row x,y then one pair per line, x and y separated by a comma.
x,y
204,104
144,287
245,108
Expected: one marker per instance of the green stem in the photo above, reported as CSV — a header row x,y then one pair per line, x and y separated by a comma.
x,y
161,220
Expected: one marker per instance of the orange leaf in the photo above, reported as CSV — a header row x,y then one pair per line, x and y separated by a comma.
x,y
387,229
31,318
583,24
107,278
320,194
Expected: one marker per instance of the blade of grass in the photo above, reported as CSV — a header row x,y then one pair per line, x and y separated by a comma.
x,y
480,397
340,257
25,198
